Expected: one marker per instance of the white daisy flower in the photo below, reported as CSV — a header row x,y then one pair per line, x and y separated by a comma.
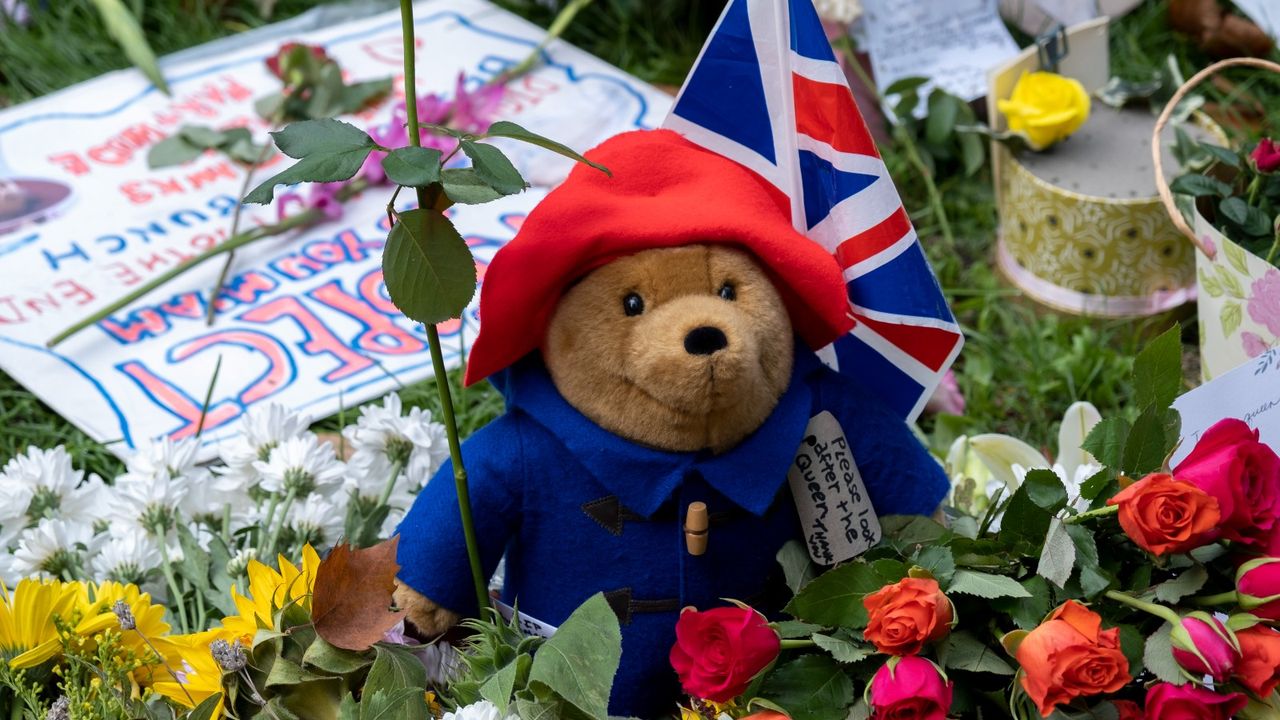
x,y
262,428
53,548
147,501
316,520
482,710
301,465
129,555
15,498
56,489
383,436
167,458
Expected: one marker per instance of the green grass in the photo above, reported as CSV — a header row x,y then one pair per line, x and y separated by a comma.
x,y
1022,364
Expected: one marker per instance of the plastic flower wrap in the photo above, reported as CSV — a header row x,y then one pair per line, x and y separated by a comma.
x,y
1045,108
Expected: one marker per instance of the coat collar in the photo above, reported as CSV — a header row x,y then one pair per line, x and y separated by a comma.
x,y
749,475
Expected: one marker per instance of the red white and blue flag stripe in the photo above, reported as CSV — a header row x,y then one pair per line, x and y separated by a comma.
x,y
767,92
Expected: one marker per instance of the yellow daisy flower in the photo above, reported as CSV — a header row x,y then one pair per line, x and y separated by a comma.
x,y
28,635
191,674
270,590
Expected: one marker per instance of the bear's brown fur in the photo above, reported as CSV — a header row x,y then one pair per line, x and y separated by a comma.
x,y
633,375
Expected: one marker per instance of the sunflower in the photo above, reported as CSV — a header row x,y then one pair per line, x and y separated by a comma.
x,y
28,633
191,674
269,591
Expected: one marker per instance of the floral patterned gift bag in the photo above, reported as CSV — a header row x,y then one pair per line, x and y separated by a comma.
x,y
1238,300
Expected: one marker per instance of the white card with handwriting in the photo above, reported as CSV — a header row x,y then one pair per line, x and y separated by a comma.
x,y
1249,392
835,509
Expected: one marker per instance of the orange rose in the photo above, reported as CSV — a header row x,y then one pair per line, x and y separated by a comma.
x,y
1070,656
1259,666
906,615
1165,515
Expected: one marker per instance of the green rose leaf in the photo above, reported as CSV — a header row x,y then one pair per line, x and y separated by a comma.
x,y
1199,186
428,268
395,668
811,687
463,185
579,661
1106,441
1058,558
412,166
1093,579
506,129
1045,489
1152,437
941,120
173,150
1157,371
1157,656
834,599
327,151
939,561
962,651
1187,583
400,704
842,647
494,168
986,585
797,567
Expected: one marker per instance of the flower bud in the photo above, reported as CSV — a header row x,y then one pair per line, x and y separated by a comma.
x,y
1202,645
1258,585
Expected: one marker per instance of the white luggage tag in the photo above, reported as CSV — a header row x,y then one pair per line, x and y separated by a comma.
x,y
834,506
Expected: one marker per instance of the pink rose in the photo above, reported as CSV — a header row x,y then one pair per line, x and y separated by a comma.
x,y
910,689
1191,702
1266,156
1243,474
1258,585
1202,645
1252,344
719,651
1264,300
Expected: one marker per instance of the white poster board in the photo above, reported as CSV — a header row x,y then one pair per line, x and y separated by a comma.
x,y
1249,392
305,320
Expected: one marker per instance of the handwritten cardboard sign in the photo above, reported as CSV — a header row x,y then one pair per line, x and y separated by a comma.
x,y
1250,392
836,514
305,319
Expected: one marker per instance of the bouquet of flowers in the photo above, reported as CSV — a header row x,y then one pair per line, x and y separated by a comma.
x,y
1121,588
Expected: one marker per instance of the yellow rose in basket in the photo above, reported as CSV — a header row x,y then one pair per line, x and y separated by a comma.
x,y
1045,108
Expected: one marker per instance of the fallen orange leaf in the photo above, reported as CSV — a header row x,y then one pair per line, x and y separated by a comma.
x,y
351,604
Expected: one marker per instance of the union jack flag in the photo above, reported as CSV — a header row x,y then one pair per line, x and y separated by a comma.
x,y
767,92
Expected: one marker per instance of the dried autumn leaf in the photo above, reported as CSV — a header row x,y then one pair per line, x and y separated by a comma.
x,y
351,606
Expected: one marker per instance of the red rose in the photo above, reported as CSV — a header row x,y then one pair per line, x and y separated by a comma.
x,y
1258,586
279,64
1242,474
1070,656
1202,645
1259,665
1191,702
719,651
1127,710
909,688
906,615
1163,515
1266,157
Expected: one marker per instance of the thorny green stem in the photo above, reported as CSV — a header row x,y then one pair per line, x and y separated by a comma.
x,y
433,334
235,222
1159,611
1091,514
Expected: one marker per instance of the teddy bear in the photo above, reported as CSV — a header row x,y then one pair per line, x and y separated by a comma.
x,y
653,333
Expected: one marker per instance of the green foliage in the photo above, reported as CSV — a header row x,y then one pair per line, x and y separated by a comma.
x,y
412,166
327,150
811,687
124,28
191,141
428,268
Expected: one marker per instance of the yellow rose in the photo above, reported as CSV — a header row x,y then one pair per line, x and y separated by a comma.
x,y
1045,108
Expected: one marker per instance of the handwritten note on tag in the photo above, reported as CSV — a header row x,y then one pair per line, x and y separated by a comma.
x,y
528,625
1250,392
835,509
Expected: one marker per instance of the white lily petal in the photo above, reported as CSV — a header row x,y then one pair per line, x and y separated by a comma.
x,y
1077,421
1001,452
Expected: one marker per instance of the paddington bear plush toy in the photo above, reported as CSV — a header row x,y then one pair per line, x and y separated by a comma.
x,y
653,334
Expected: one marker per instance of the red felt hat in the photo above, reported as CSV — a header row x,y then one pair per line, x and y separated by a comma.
x,y
664,192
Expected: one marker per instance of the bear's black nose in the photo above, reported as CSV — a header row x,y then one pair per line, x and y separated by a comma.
x,y
705,340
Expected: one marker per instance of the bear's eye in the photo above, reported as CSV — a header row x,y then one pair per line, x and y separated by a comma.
x,y
632,304
728,291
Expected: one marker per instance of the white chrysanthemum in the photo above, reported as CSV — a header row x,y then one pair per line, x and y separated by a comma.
x,y
53,487
168,458
15,498
53,548
262,428
383,436
148,501
316,521
841,11
301,465
483,710
129,555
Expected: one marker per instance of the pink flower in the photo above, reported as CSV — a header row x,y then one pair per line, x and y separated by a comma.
x,y
1264,300
1258,584
1191,702
321,196
909,689
1243,474
1266,156
1202,645
947,397
1253,344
